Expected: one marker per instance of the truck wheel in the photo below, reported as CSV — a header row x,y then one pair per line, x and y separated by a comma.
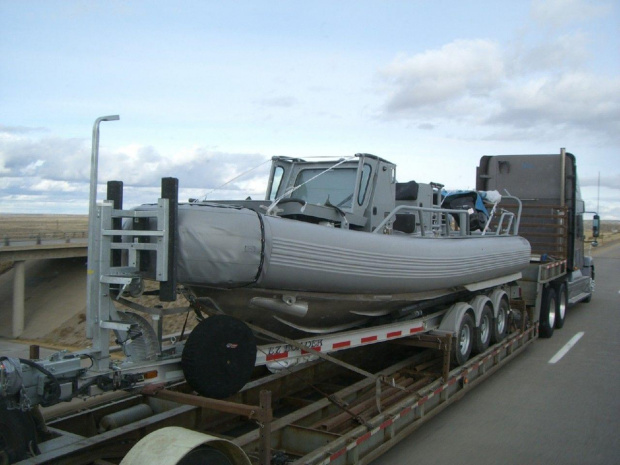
x,y
483,332
562,305
462,347
500,323
547,312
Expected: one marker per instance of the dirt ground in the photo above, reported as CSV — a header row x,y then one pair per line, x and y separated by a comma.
x,y
72,332
55,301
55,305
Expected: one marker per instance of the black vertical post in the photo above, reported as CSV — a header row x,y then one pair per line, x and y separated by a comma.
x,y
115,194
170,191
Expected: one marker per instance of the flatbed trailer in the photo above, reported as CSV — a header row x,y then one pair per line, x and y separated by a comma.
x,y
318,413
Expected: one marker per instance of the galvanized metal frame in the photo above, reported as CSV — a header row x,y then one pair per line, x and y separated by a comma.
x,y
102,315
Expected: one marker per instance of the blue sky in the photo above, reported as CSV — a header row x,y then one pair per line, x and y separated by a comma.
x,y
207,90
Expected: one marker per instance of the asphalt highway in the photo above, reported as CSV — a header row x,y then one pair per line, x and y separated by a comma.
x,y
536,412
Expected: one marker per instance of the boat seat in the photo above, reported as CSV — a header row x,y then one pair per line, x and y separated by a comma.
x,y
407,190
404,223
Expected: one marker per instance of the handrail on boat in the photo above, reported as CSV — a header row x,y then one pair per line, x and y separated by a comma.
x,y
513,221
506,213
444,225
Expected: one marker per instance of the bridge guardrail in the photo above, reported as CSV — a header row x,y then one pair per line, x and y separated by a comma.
x,y
39,238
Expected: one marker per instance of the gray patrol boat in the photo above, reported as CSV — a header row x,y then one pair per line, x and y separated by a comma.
x,y
338,244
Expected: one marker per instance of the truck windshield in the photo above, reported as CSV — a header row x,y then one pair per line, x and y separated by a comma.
x,y
336,185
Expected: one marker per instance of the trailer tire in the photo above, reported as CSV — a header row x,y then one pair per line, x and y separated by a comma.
x,y
562,305
547,312
484,330
462,347
500,323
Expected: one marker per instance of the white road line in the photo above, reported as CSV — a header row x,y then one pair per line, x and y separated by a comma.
x,y
568,346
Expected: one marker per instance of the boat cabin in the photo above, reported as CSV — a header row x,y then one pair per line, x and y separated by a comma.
x,y
358,193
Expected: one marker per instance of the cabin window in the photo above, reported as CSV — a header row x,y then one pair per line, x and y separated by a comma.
x,y
275,183
335,186
366,170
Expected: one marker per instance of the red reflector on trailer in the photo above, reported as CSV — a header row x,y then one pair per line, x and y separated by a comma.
x,y
338,345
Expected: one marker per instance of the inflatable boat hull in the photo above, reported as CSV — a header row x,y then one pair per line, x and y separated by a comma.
x,y
285,274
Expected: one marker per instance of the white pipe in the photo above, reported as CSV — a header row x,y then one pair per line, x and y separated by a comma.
x,y
91,283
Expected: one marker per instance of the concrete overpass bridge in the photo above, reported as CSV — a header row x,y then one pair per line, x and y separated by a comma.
x,y
21,250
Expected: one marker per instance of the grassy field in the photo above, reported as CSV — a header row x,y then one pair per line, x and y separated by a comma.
x,y
20,227
15,228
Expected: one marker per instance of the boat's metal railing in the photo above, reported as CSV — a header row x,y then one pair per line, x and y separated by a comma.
x,y
513,219
507,224
439,220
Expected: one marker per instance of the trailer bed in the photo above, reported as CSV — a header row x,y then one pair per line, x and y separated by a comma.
x,y
317,414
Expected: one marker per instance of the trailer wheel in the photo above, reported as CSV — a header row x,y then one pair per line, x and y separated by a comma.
x,y
500,324
484,330
547,312
219,356
562,305
462,348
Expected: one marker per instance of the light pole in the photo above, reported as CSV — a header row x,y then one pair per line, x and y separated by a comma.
x,y
94,164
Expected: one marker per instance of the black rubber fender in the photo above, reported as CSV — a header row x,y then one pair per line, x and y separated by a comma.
x,y
219,356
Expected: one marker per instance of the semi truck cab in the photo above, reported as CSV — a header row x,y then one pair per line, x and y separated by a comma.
x,y
553,211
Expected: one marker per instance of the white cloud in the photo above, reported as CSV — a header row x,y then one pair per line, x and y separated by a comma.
x,y
536,91
579,100
36,170
57,158
553,54
558,13
279,102
48,185
501,90
458,70
18,129
610,181
31,168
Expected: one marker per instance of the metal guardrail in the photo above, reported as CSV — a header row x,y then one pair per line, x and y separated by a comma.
x,y
39,238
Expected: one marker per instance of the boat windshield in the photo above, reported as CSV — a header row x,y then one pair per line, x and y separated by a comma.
x,y
336,185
